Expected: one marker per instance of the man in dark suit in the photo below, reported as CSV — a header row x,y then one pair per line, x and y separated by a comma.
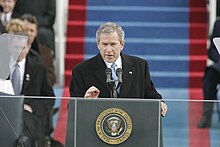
x,y
7,13
89,78
211,79
36,49
33,82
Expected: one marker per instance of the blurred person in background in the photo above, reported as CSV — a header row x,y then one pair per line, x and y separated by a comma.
x,y
38,50
211,80
45,12
7,14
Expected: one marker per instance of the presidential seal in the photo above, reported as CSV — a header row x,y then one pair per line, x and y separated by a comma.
x,y
113,126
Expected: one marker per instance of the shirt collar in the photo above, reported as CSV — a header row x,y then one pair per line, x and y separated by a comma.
x,y
8,15
20,63
118,63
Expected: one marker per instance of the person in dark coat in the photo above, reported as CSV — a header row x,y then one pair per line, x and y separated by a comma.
x,y
7,13
89,78
211,79
37,49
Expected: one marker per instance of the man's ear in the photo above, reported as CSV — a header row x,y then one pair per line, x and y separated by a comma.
x,y
122,45
98,46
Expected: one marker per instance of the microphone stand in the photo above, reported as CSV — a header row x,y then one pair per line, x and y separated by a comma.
x,y
113,89
111,83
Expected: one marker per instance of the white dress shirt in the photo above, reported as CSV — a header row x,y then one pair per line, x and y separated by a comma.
x,y
118,63
6,16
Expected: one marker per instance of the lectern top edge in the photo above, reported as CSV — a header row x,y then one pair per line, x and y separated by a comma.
x,y
116,99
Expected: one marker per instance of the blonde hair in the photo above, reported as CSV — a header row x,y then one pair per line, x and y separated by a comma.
x,y
16,26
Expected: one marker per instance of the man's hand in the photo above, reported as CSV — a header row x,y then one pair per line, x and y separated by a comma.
x,y
163,108
92,92
28,108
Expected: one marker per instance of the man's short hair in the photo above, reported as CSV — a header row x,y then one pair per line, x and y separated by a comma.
x,y
110,27
30,18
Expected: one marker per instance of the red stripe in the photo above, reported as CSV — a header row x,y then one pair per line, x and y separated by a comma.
x,y
60,129
77,7
197,63
197,137
75,34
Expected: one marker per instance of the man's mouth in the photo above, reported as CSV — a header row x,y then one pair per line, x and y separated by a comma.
x,y
109,55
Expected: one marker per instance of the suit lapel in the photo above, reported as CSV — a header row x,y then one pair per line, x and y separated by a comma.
x,y
128,74
28,75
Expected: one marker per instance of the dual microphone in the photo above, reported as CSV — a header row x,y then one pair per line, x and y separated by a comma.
x,y
108,73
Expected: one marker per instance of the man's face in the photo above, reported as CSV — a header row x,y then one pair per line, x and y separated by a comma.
x,y
32,31
23,53
16,48
110,47
8,5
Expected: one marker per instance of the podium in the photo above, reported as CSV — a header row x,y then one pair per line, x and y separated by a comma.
x,y
11,119
114,122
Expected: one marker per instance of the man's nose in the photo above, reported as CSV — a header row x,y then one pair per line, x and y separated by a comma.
x,y
109,48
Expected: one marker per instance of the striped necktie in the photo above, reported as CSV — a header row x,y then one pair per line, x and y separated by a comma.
x,y
4,19
16,80
115,77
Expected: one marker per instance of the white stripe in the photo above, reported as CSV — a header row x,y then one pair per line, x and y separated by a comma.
x,y
173,74
137,8
142,24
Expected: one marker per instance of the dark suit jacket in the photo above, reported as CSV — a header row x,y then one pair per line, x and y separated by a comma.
x,y
212,52
36,84
136,78
37,124
42,54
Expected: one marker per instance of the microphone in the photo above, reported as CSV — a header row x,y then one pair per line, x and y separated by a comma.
x,y
119,74
108,73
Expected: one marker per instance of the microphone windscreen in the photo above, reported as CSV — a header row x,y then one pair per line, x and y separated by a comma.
x,y
119,74
108,71
118,71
